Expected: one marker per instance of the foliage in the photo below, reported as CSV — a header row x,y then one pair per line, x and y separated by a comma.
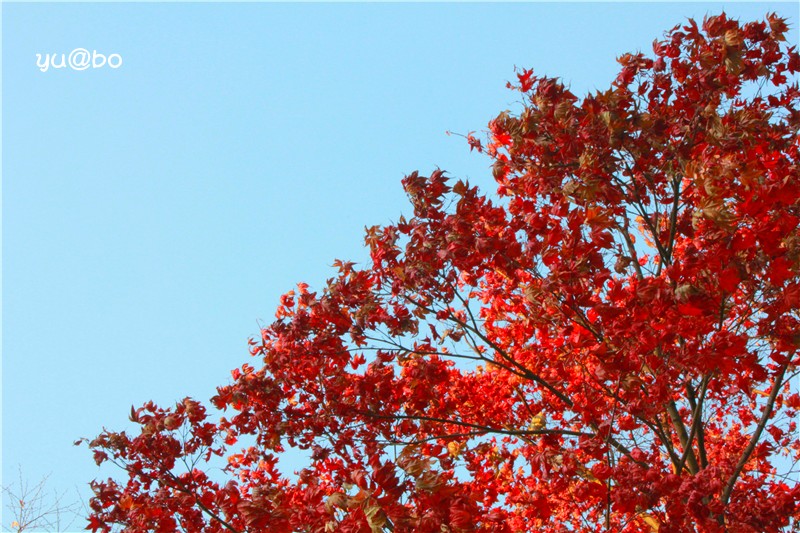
x,y
609,344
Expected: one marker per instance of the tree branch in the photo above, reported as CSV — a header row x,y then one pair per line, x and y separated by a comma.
x,y
751,446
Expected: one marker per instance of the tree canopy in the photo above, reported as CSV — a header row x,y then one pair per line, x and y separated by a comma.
x,y
608,343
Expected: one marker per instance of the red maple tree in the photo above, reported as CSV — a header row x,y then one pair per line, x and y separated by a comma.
x,y
609,344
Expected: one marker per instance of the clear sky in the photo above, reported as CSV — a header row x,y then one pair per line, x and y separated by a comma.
x,y
153,213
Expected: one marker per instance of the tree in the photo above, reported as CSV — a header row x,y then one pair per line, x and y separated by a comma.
x,y
35,508
608,344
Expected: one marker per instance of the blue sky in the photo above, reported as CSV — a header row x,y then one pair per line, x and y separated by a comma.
x,y
153,213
